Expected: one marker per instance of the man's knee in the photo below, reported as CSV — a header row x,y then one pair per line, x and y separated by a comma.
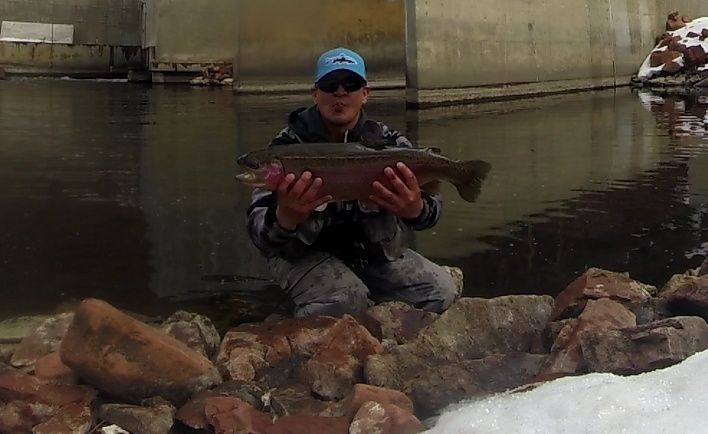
x,y
336,302
442,293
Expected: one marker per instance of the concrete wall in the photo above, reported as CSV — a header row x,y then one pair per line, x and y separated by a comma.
x,y
106,37
461,51
281,46
107,22
184,34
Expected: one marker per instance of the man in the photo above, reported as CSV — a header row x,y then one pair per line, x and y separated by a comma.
x,y
337,258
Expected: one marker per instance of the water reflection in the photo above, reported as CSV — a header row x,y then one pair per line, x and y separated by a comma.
x,y
126,192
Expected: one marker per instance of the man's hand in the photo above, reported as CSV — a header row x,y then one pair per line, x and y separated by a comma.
x,y
405,200
297,199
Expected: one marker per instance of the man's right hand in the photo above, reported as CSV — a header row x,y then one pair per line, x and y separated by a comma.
x,y
297,199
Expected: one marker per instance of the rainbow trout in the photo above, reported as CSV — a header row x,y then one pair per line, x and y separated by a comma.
x,y
348,169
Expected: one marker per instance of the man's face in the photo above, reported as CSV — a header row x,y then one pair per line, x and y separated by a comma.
x,y
340,95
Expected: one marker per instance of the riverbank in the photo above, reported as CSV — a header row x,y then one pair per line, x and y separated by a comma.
x,y
393,368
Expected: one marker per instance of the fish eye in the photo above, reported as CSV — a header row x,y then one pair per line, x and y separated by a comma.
x,y
253,164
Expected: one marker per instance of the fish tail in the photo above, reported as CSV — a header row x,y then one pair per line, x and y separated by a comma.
x,y
469,184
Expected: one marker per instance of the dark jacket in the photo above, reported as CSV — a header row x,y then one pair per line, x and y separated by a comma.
x,y
344,229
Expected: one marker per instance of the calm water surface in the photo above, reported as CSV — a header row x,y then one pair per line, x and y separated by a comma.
x,y
126,192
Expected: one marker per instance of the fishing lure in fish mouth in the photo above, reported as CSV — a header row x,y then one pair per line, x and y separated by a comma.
x,y
259,175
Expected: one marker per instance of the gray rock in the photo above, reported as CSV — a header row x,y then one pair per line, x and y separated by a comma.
x,y
641,349
44,339
154,419
703,269
196,331
13,330
471,328
441,386
690,298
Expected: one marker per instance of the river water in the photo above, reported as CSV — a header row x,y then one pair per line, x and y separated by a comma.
x,y
125,192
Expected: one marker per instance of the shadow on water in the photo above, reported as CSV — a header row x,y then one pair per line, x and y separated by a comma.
x,y
126,193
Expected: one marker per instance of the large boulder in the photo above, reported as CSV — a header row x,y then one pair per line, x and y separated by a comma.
x,y
644,348
472,328
126,358
440,386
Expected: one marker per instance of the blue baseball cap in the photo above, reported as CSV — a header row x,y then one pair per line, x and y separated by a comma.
x,y
340,59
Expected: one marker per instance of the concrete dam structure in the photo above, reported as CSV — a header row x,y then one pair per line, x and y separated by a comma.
x,y
443,52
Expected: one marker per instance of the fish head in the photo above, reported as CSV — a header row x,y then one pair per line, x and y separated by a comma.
x,y
260,172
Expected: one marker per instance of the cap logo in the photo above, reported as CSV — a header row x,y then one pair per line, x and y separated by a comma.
x,y
340,59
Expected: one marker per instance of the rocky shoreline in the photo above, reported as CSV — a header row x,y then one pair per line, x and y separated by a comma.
x,y
391,370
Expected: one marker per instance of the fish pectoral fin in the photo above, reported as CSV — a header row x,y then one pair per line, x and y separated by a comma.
x,y
432,187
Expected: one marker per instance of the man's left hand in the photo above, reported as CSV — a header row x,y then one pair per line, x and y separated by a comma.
x,y
404,200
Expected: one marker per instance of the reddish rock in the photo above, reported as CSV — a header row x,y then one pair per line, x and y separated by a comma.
x,y
374,417
675,22
23,387
299,424
396,321
45,339
658,58
672,68
603,314
695,56
596,284
349,337
249,348
51,368
362,393
677,46
231,415
129,359
192,413
71,419
331,374
21,416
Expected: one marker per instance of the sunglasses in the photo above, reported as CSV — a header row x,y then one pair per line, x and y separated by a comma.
x,y
350,84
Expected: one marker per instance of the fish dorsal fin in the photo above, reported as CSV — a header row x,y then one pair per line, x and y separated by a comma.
x,y
433,150
375,144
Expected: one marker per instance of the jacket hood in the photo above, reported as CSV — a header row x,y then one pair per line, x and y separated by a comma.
x,y
307,123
